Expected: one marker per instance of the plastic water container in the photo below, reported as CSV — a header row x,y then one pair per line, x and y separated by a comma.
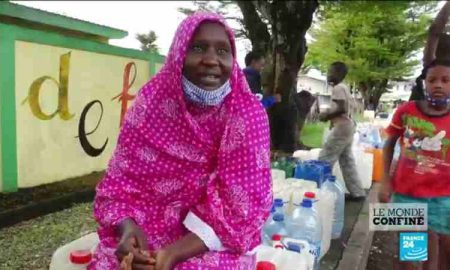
x,y
326,167
282,191
75,255
312,196
290,165
309,185
264,265
278,203
338,218
378,165
314,153
265,240
285,259
313,172
304,224
297,195
286,164
280,187
364,165
325,208
304,155
297,192
276,226
293,194
278,174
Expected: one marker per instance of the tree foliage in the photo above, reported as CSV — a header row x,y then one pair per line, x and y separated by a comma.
x,y
148,42
377,40
228,9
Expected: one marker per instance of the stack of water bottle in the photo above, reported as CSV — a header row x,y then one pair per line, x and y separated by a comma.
x,y
301,228
369,136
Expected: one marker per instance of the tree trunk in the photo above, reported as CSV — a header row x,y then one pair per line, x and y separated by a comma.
x,y
291,20
379,89
365,93
285,47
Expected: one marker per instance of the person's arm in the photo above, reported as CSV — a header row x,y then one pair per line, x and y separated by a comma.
x,y
394,131
388,154
268,101
385,192
435,30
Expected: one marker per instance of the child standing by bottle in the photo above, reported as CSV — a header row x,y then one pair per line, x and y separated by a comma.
x,y
423,169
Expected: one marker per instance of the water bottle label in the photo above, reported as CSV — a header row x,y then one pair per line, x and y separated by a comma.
x,y
315,250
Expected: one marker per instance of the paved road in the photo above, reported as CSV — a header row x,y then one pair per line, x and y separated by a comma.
x,y
331,260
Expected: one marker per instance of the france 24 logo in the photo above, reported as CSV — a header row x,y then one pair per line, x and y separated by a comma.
x,y
413,246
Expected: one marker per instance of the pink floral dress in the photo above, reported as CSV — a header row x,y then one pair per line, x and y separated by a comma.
x,y
180,168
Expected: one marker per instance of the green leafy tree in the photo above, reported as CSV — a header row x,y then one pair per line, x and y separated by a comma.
x,y
148,42
377,40
228,9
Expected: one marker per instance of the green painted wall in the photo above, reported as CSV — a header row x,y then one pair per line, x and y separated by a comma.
x,y
37,16
7,112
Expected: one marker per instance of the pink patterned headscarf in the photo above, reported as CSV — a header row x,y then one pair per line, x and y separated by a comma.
x,y
173,158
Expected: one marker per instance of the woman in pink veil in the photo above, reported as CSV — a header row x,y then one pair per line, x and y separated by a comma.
x,y
188,186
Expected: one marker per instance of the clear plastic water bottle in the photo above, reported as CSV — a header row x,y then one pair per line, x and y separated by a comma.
x,y
276,226
312,196
338,220
305,225
279,206
376,137
265,240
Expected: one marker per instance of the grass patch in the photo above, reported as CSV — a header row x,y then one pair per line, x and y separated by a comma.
x,y
30,244
312,134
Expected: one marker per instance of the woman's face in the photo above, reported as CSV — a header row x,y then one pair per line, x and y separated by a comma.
x,y
437,82
209,58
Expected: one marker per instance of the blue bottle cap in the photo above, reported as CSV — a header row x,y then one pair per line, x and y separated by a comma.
x,y
331,178
278,202
306,203
272,210
278,217
294,247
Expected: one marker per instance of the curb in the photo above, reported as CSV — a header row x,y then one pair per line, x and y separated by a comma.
x,y
37,209
356,254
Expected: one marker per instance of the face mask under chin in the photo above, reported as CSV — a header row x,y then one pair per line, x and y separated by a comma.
x,y
437,101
